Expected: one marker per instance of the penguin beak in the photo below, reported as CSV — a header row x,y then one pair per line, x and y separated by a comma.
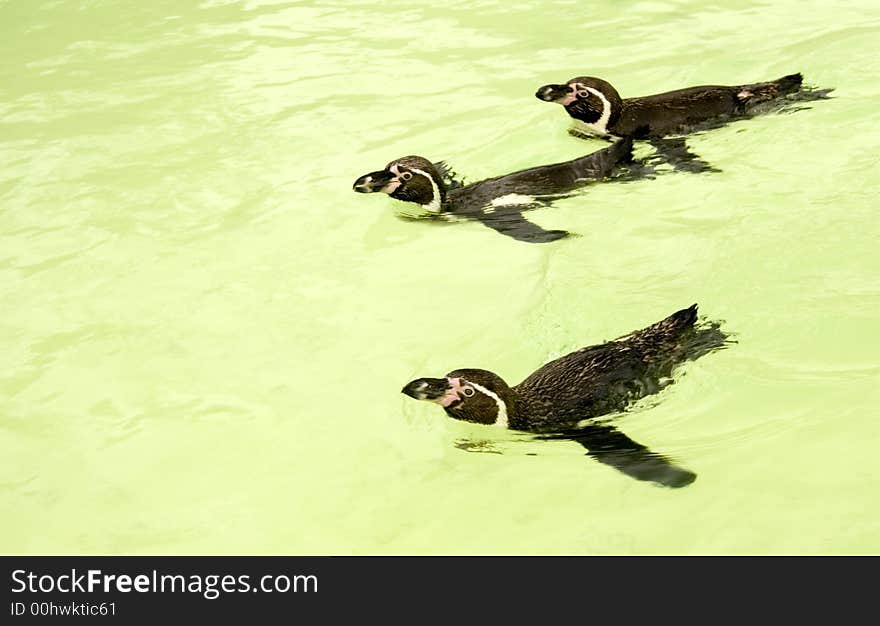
x,y
372,182
553,93
427,388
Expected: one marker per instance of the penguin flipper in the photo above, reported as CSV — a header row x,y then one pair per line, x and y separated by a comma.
x,y
510,221
601,163
610,446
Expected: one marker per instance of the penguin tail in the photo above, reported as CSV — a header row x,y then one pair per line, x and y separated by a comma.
x,y
693,338
667,331
789,84
685,337
761,92
680,320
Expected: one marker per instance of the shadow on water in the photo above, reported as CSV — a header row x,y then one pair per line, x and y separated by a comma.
x,y
609,445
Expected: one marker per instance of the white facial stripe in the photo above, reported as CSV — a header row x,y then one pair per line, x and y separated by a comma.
x,y
501,418
601,125
434,205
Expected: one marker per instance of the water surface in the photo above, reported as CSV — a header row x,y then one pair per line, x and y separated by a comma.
x,y
205,332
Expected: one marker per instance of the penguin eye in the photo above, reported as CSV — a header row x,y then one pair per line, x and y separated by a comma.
x,y
406,175
582,93
468,391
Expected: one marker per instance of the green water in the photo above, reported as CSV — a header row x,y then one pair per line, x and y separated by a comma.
x,y
205,331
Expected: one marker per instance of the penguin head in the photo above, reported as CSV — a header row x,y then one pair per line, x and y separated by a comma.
x,y
586,98
410,179
472,395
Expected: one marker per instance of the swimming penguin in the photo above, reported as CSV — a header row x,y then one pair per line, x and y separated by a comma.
x,y
555,400
599,110
495,202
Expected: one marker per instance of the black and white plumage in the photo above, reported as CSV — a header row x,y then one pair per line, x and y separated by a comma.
x,y
598,110
597,105
496,202
555,400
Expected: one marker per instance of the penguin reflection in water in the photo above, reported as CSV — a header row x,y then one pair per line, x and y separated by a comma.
x,y
559,400
495,202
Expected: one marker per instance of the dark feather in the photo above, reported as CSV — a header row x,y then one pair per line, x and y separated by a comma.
x,y
448,175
